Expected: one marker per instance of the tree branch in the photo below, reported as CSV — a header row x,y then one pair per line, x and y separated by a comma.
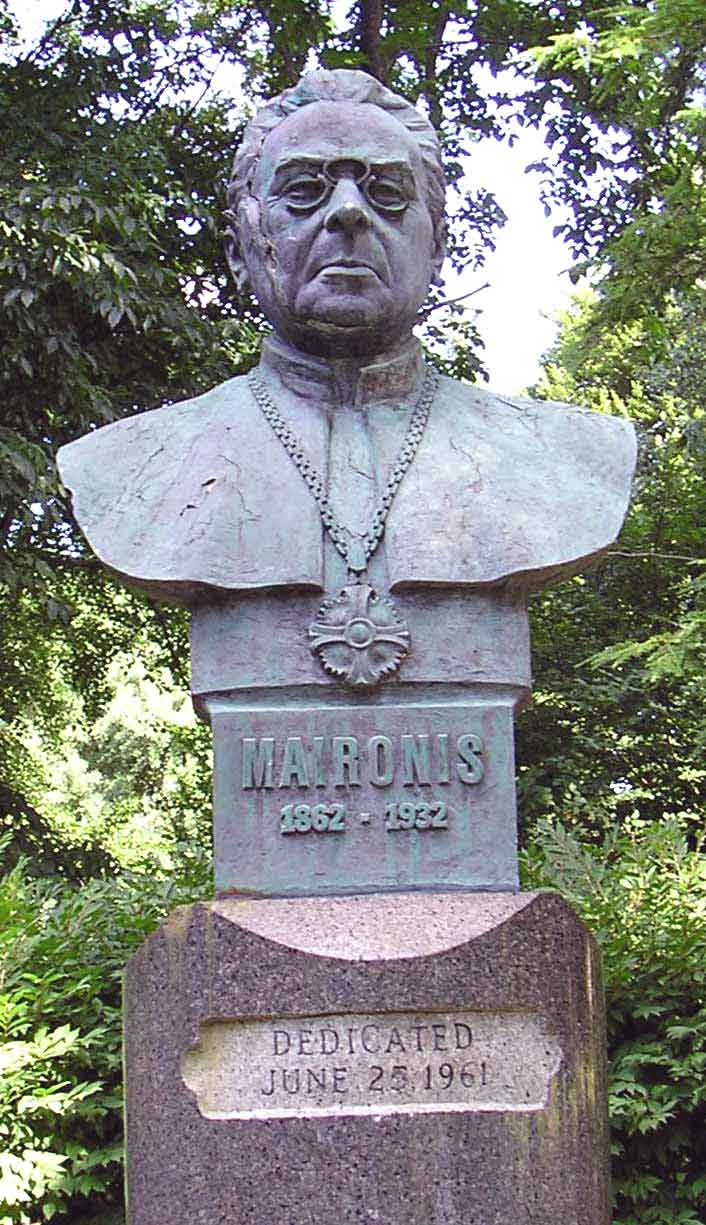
x,y
450,301
650,555
370,24
65,19
432,51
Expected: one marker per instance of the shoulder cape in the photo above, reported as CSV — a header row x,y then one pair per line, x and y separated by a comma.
x,y
201,497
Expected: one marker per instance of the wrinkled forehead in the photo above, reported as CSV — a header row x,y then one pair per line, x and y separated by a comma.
x,y
323,131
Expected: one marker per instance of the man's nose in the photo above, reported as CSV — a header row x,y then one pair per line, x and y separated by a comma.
x,y
347,208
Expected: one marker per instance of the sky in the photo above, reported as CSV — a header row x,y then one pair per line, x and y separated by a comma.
x,y
529,283
527,272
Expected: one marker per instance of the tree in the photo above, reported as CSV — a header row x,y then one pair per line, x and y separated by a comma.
x,y
115,294
622,86
618,661
618,653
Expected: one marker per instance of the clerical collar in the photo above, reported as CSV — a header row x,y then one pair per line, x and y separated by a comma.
x,y
395,376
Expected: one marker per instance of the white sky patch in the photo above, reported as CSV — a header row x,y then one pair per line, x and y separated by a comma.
x,y
32,16
529,283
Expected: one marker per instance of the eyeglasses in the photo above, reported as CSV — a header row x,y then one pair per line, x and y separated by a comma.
x,y
308,190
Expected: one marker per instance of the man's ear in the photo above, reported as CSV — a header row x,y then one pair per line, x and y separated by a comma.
x,y
242,236
438,254
234,254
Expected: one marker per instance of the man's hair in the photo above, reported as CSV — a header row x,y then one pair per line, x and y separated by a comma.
x,y
339,85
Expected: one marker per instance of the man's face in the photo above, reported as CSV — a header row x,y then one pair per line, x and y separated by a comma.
x,y
343,251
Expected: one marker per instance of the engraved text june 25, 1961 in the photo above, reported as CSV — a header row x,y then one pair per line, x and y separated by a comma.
x,y
359,1064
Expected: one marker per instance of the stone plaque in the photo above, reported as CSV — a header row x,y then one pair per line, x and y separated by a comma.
x,y
275,1074
354,798
350,1064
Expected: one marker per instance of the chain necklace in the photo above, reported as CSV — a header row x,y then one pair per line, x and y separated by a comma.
x,y
358,635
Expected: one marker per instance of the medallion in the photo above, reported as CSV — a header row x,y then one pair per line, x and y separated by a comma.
x,y
359,636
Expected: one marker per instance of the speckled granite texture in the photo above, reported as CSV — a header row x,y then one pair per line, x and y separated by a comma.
x,y
487,953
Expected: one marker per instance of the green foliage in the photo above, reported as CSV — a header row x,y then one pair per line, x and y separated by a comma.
x,y
612,751
676,652
452,343
623,87
113,296
617,726
91,774
642,892
139,777
62,952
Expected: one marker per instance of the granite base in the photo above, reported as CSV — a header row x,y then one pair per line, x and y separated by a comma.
x,y
407,1059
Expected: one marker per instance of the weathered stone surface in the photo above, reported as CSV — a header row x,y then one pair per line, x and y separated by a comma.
x,y
459,639
395,962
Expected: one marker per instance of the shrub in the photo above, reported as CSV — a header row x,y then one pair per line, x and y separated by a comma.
x,y
642,892
62,952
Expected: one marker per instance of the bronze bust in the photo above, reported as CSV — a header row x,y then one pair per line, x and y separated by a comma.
x,y
343,521
337,220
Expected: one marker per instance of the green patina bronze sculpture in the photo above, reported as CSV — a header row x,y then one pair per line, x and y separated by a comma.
x,y
343,521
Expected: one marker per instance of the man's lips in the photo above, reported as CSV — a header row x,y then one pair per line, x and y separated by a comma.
x,y
348,267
